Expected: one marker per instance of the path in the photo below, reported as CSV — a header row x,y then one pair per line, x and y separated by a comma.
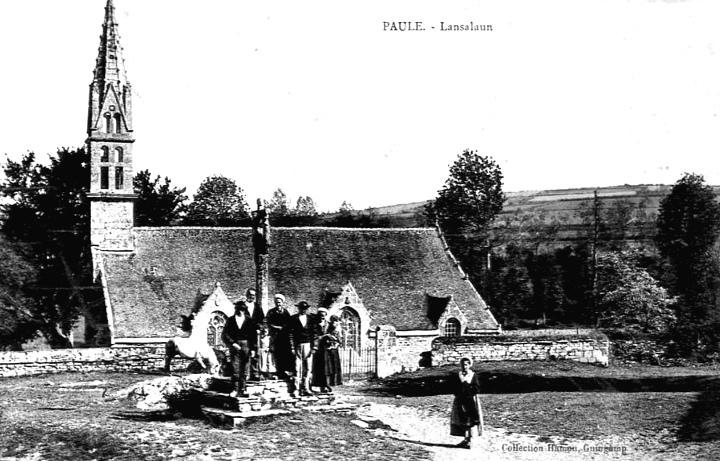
x,y
431,431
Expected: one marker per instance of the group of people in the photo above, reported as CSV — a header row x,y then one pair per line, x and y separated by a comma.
x,y
303,347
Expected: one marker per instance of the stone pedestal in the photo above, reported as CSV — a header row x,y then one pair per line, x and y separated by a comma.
x,y
267,397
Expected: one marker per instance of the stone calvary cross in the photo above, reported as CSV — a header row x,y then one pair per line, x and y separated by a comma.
x,y
261,243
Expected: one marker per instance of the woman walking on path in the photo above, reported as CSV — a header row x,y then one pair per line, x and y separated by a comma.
x,y
466,409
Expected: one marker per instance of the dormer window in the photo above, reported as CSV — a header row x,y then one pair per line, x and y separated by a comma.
x,y
452,327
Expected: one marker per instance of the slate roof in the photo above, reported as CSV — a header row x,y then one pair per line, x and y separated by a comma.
x,y
396,272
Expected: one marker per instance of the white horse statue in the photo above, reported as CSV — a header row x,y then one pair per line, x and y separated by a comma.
x,y
194,346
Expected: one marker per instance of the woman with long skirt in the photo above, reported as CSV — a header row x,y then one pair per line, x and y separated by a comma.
x,y
326,361
466,409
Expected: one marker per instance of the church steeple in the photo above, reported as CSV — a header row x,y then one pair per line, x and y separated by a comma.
x,y
110,67
110,86
110,141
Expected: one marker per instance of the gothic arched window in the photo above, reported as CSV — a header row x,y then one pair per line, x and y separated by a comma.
x,y
119,155
105,156
452,327
104,177
118,123
119,177
215,329
350,322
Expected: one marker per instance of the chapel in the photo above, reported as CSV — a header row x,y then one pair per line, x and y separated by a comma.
x,y
404,279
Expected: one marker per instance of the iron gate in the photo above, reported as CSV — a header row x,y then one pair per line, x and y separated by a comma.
x,y
357,363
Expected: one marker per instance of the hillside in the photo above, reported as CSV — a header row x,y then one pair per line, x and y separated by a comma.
x,y
561,206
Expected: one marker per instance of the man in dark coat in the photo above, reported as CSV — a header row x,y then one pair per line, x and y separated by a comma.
x,y
303,337
240,336
278,319
258,317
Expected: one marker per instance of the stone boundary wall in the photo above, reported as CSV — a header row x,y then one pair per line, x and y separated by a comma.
x,y
650,351
589,350
136,358
406,354
409,353
554,332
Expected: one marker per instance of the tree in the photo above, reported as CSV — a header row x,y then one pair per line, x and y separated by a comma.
x,y
305,207
305,212
472,195
279,204
511,288
687,230
218,202
629,297
465,208
346,208
346,216
549,297
158,204
17,319
49,212
283,215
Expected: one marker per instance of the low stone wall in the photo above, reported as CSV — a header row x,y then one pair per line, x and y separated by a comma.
x,y
408,353
402,353
140,358
589,350
650,351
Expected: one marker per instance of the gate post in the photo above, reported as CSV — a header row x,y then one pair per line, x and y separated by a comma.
x,y
385,362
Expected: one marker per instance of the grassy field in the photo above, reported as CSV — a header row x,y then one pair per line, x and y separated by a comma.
x,y
672,412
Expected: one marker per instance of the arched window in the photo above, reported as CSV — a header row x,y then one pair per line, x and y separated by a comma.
x,y
108,124
119,156
215,329
350,335
119,177
452,327
104,177
105,156
118,123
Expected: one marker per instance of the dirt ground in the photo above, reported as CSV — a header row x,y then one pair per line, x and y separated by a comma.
x,y
431,431
532,412
540,411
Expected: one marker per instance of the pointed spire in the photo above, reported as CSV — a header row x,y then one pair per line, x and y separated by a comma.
x,y
110,66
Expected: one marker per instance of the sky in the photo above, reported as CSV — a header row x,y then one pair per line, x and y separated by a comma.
x,y
316,98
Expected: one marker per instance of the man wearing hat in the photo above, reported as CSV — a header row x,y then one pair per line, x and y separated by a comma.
x,y
303,336
255,312
240,336
278,319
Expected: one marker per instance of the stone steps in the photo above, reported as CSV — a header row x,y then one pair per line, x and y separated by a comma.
x,y
264,398
234,419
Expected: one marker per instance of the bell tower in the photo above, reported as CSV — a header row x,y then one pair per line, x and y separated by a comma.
x,y
109,142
